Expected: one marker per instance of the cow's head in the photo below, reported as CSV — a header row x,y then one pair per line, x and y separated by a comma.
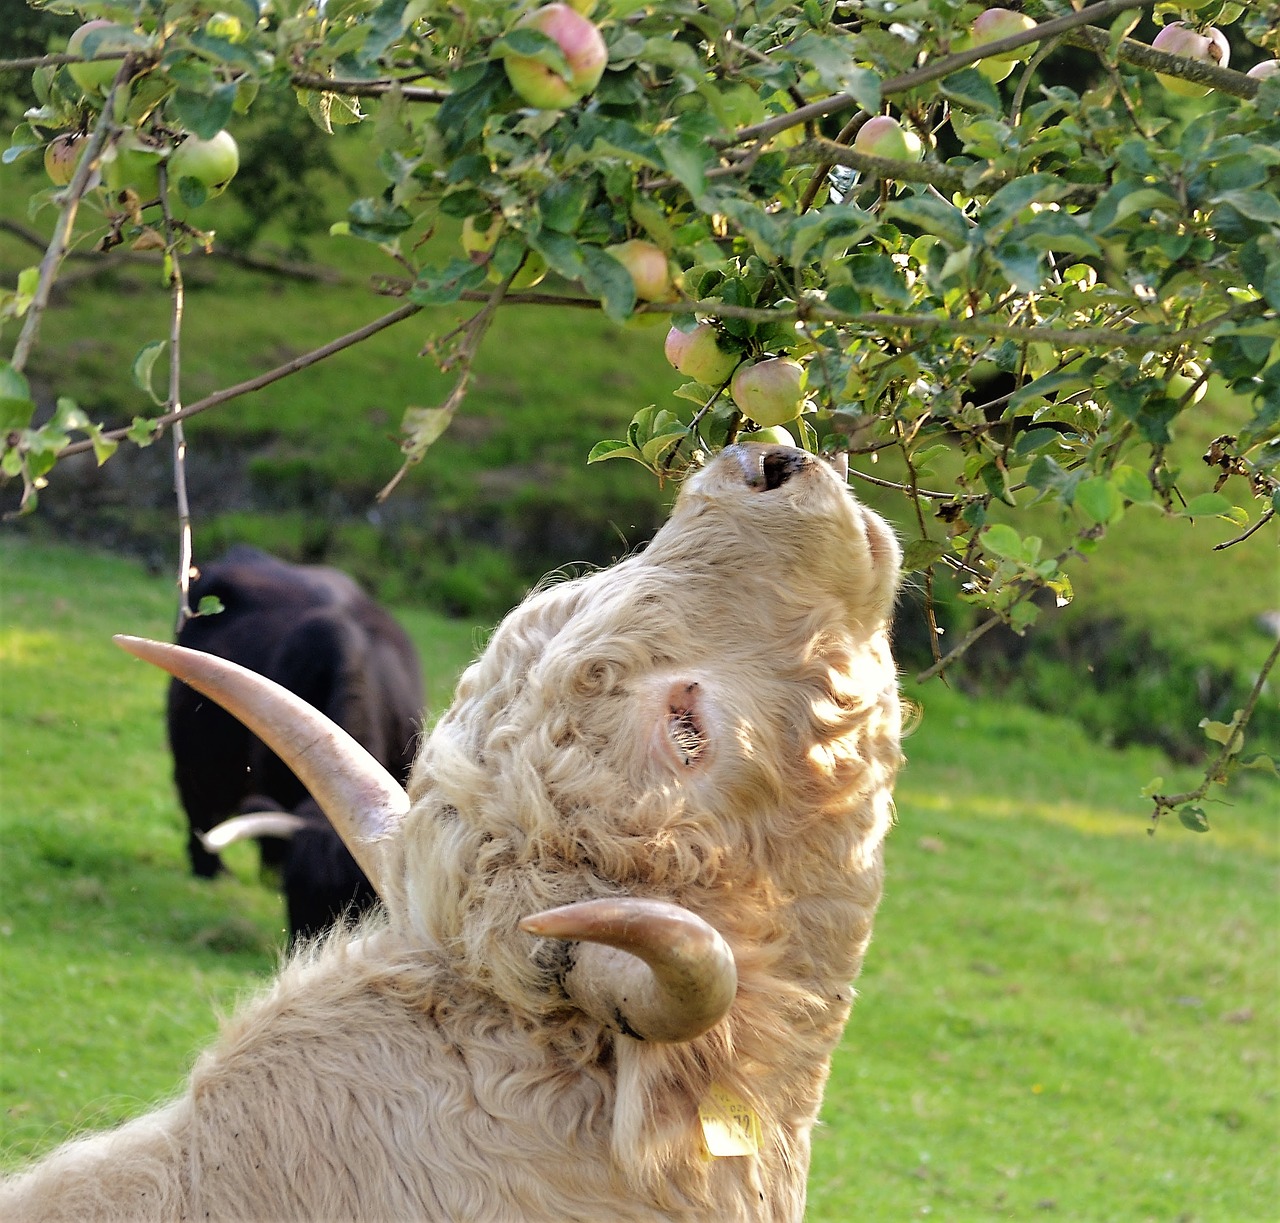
x,y
706,724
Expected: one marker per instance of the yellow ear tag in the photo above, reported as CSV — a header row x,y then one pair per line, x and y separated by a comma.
x,y
729,1125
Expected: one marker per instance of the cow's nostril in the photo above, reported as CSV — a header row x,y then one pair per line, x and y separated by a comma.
x,y
778,466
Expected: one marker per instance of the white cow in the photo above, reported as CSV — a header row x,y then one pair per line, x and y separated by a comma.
x,y
625,897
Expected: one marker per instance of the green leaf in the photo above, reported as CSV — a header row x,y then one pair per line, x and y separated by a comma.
x,y
919,554
562,204
970,90
1003,541
1133,485
1099,500
932,215
605,278
209,605
143,366
1256,205
1206,505
204,114
13,382
687,159
1193,818
438,286
614,450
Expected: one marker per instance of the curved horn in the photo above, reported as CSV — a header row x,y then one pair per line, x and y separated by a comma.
x,y
362,800
644,968
252,824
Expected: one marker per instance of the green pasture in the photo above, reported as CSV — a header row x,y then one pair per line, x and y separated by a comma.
x,y
1060,1016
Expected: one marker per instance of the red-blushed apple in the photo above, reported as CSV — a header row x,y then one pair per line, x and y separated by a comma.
x,y
1209,45
884,136
647,265
697,354
775,435
769,392
61,156
212,162
1265,70
584,51
95,76
991,26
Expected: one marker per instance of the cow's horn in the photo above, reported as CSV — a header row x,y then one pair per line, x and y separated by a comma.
x,y
252,824
645,968
362,800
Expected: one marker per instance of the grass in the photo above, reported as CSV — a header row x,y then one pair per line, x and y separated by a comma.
x,y
1060,1016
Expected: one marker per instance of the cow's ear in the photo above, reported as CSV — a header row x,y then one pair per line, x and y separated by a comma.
x,y
682,739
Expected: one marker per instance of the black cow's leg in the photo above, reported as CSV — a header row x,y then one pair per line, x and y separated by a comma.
x,y
204,864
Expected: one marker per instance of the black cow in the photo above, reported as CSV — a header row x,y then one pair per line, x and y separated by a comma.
x,y
313,630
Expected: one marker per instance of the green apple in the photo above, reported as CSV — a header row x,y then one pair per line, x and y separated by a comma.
x,y
697,354
95,76
211,162
769,392
884,136
1209,45
584,51
647,265
775,435
61,156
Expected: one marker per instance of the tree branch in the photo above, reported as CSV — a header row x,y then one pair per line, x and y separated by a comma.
x,y
936,69
262,380
60,240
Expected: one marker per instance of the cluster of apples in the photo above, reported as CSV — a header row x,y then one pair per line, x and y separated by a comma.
x,y
770,392
132,161
1207,44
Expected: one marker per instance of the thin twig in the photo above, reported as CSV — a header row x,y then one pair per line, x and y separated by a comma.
x,y
1215,772
173,403
1239,539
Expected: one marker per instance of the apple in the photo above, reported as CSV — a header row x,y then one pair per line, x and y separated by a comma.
x,y
61,155
991,26
775,435
1178,38
584,51
1183,379
884,136
647,265
770,392
95,76
479,240
225,25
212,162
1265,70
697,354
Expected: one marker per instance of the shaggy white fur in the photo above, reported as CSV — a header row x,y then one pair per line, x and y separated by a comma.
x,y
713,722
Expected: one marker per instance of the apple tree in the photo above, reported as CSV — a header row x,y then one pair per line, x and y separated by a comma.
x,y
986,257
